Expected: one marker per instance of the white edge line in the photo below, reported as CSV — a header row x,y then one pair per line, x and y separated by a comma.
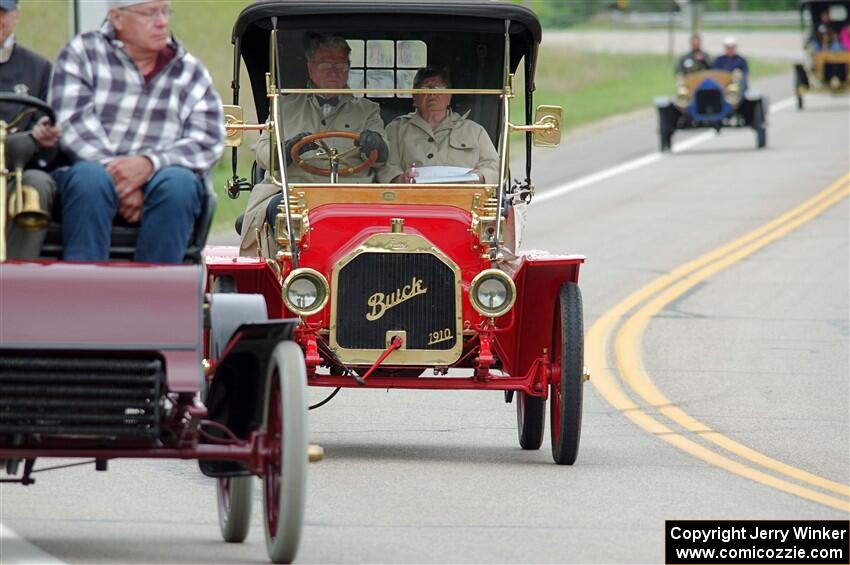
x,y
15,550
639,162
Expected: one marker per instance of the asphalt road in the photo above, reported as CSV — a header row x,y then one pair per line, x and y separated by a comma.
x,y
756,351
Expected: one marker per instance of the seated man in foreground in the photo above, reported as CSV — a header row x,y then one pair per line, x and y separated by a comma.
x,y
327,66
142,122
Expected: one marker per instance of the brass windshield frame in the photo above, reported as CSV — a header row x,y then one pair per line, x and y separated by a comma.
x,y
463,196
274,92
486,91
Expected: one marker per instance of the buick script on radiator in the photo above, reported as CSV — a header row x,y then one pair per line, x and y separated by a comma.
x,y
379,302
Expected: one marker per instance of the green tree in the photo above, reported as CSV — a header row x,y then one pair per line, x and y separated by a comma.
x,y
564,13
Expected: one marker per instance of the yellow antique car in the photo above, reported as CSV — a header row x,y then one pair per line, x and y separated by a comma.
x,y
828,60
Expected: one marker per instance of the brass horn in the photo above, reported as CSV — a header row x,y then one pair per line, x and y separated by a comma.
x,y
25,207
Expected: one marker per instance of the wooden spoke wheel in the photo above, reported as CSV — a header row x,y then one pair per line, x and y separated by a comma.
x,y
234,507
566,389
285,466
295,153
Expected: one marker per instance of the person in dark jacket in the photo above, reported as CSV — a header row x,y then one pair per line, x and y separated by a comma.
x,y
24,72
696,59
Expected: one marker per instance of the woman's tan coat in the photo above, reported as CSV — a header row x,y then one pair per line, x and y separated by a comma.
x,y
456,141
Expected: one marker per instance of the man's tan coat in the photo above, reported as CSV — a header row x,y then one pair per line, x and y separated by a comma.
x,y
456,141
302,113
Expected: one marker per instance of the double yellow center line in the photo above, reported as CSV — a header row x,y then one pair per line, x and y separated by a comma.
x,y
637,310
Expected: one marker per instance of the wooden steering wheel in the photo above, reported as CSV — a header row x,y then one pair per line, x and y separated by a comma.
x,y
330,155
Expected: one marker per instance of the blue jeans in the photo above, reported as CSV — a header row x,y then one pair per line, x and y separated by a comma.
x,y
272,210
172,203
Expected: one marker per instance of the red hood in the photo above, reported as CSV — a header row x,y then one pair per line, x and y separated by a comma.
x,y
105,307
336,229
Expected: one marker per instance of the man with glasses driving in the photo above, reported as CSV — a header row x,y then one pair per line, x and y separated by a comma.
x,y
305,114
142,123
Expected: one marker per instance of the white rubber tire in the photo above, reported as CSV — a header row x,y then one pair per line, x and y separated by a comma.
x,y
234,495
283,531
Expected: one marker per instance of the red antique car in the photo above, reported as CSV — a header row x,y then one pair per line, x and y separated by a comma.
x,y
415,286
100,361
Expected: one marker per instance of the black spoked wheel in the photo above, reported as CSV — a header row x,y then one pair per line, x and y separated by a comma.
x,y
760,126
665,133
800,82
567,392
285,467
530,420
666,141
234,507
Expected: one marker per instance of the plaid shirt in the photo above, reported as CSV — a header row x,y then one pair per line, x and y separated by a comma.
x,y
107,110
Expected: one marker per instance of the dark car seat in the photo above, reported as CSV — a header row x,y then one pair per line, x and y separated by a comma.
x,y
122,245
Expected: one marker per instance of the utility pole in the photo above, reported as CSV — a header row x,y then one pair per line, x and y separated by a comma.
x,y
671,29
696,9
86,15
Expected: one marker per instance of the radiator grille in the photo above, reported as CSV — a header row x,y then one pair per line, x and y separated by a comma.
x,y
426,311
709,101
62,396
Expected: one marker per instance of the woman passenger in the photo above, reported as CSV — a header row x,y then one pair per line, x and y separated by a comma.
x,y
435,135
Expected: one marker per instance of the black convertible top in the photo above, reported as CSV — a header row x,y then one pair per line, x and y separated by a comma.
x,y
485,15
467,33
806,3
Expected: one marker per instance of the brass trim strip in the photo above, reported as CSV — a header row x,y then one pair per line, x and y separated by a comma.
x,y
463,197
388,185
489,91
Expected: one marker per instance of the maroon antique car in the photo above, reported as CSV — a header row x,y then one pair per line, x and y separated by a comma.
x,y
415,286
100,361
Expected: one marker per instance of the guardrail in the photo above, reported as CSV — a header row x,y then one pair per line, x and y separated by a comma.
x,y
731,19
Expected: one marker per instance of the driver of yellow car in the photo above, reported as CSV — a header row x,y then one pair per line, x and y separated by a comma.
x,y
305,114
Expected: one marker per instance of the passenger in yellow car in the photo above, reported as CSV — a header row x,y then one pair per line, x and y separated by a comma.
x,y
435,135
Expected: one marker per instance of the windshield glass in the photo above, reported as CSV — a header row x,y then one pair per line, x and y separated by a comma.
x,y
384,60
332,133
